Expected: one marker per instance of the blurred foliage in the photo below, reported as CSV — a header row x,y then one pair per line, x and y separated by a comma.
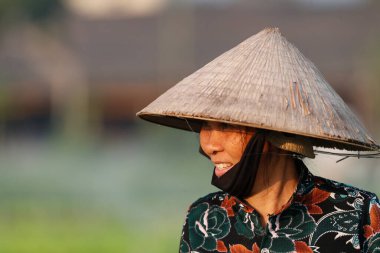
x,y
25,231
24,228
32,226
32,10
126,195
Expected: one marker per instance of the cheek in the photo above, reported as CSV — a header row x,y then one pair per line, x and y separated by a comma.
x,y
236,155
236,146
203,137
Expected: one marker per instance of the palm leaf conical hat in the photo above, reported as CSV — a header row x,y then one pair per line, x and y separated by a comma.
x,y
264,82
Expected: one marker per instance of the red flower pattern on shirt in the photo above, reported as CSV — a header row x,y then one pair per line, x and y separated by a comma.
x,y
238,248
228,203
374,226
313,198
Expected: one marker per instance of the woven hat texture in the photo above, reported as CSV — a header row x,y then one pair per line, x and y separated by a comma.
x,y
264,82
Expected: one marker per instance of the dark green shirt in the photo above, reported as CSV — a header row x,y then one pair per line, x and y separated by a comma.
x,y
322,216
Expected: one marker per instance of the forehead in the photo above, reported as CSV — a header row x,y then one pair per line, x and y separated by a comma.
x,y
225,126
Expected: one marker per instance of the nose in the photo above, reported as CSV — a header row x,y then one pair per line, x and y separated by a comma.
x,y
211,141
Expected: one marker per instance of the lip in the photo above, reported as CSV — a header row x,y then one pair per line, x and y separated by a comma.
x,y
221,172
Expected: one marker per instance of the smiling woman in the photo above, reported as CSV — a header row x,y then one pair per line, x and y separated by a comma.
x,y
260,108
224,144
237,172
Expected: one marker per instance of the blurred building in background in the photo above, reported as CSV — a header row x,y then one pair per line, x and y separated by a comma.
x,y
99,62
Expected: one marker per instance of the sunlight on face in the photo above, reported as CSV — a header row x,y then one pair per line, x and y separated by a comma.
x,y
224,144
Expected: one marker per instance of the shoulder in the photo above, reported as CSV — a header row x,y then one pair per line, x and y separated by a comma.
x,y
339,189
214,198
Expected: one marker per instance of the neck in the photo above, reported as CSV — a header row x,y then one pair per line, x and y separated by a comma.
x,y
275,184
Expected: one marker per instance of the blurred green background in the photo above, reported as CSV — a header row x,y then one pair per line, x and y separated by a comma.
x,y
79,173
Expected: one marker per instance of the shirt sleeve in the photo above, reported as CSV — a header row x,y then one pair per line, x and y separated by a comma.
x,y
371,226
184,246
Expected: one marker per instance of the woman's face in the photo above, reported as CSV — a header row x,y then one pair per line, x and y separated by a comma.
x,y
224,144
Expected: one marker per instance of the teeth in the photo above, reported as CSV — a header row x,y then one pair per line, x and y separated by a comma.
x,y
221,166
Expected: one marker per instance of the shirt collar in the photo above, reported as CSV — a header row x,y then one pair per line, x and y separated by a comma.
x,y
306,179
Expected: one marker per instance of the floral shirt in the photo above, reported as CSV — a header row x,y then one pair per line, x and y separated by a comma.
x,y
322,216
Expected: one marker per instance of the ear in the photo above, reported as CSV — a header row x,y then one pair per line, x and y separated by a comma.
x,y
267,147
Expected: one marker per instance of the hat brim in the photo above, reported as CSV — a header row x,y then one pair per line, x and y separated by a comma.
x,y
194,124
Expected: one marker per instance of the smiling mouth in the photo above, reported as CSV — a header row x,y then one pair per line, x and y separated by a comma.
x,y
222,168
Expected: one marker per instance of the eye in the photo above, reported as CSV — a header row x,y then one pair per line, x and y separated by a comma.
x,y
219,126
229,127
225,126
206,126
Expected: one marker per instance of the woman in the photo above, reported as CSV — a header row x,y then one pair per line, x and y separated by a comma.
x,y
259,109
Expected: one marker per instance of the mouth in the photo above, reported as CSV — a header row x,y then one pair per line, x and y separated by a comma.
x,y
222,168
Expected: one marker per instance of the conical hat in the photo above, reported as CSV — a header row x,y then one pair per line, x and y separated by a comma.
x,y
264,82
